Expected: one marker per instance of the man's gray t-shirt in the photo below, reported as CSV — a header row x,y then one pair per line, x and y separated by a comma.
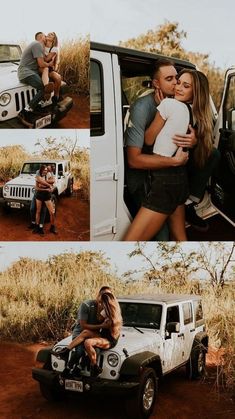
x,y
87,312
28,63
142,113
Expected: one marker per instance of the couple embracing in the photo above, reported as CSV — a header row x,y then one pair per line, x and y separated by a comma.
x,y
177,121
98,325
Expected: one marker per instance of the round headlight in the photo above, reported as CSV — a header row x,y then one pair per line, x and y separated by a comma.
x,y
5,99
6,188
33,189
112,360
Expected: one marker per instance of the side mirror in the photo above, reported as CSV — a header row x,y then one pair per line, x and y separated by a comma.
x,y
172,327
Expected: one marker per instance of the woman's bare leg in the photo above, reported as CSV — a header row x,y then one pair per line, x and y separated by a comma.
x,y
177,224
56,78
80,338
90,345
45,76
51,210
145,225
38,210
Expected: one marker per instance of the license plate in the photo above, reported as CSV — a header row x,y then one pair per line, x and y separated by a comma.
x,y
14,204
43,122
73,385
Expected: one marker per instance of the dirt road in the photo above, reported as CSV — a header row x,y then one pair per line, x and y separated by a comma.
x,y
72,222
178,399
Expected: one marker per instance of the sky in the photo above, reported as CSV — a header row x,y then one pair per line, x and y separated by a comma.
x,y
209,23
21,20
116,251
28,138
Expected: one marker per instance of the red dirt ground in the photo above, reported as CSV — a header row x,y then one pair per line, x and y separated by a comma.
x,y
72,222
178,398
79,115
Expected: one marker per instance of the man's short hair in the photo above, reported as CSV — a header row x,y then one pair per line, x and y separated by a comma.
x,y
162,62
36,35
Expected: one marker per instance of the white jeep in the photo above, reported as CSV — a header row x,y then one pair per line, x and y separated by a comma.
x,y
160,333
115,73
14,95
18,192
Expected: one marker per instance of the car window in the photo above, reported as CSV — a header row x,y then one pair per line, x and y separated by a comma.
x,y
96,99
141,314
187,313
172,314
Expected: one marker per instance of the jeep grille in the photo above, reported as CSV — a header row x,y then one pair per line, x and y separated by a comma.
x,y
23,98
20,192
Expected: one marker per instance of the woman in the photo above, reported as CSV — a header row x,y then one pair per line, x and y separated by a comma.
x,y
50,73
106,338
43,195
169,187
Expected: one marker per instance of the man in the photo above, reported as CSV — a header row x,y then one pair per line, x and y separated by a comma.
x,y
28,73
142,113
87,318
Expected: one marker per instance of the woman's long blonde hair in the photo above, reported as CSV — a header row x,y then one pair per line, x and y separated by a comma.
x,y
113,312
202,113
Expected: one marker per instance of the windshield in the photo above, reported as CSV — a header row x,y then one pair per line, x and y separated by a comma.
x,y
9,53
31,168
141,315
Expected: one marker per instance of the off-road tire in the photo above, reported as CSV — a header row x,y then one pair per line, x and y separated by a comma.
x,y
196,365
140,405
69,189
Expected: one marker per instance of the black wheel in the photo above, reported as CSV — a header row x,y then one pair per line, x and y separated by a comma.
x,y
69,189
196,365
141,404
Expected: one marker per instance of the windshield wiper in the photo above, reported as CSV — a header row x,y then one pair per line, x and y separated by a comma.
x,y
134,327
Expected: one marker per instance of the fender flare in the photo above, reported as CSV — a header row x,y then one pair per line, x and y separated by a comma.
x,y
132,364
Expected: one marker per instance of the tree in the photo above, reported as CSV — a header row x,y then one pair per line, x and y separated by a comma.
x,y
162,261
165,39
53,148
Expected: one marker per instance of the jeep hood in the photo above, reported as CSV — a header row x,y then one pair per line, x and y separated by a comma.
x,y
134,341
8,77
22,180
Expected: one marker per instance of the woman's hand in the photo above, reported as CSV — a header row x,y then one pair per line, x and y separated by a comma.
x,y
106,324
187,140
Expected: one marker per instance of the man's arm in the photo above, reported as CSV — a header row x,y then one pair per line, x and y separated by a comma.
x,y
138,160
44,182
187,140
42,63
85,325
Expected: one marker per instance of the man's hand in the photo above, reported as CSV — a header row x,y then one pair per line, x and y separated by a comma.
x,y
158,95
180,158
187,140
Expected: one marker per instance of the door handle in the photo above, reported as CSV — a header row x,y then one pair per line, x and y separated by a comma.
x,y
192,330
181,335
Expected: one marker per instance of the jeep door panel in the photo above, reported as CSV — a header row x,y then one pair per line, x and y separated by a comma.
x,y
223,181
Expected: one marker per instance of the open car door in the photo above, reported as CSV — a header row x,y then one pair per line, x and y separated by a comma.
x,y
223,181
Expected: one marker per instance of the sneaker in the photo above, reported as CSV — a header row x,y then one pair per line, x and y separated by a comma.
x,y
36,229
194,220
96,370
53,229
62,354
25,117
41,231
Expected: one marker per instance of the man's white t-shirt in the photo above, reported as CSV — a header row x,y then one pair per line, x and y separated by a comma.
x,y
176,115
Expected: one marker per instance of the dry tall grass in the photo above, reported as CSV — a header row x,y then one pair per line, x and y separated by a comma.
x,y
39,300
74,64
11,158
80,165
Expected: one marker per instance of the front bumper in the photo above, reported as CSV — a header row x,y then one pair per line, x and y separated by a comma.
x,y
90,384
15,203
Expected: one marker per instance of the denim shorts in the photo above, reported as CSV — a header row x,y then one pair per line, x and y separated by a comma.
x,y
43,196
169,189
